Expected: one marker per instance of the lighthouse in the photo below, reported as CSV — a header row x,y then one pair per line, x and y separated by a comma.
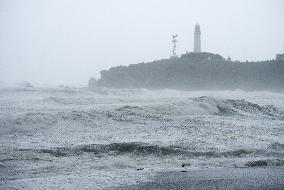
x,y
197,39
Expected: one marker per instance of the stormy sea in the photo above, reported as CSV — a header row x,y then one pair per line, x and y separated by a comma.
x,y
73,138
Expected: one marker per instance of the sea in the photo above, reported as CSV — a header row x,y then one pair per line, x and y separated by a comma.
x,y
73,138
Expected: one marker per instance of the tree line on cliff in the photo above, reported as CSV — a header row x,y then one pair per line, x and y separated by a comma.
x,y
196,71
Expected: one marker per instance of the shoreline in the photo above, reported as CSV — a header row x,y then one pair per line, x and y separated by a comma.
x,y
214,178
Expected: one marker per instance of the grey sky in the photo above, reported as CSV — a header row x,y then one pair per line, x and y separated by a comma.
x,y
69,41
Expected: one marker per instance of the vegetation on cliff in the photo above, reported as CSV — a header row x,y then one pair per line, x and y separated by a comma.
x,y
196,71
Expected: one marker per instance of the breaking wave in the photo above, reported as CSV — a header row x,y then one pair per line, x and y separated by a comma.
x,y
160,112
201,105
231,106
266,162
276,146
143,149
57,100
29,119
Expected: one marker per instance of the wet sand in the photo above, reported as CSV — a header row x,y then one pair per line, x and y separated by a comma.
x,y
216,178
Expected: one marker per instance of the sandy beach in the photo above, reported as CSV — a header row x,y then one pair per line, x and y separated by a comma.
x,y
216,178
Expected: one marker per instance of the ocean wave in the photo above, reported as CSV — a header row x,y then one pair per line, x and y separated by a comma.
x,y
201,105
139,113
143,149
266,162
110,149
58,100
232,107
276,146
129,113
29,119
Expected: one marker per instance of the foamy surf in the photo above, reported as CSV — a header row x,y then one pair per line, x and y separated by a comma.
x,y
118,137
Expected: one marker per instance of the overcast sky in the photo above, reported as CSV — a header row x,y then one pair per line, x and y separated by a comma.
x,y
69,41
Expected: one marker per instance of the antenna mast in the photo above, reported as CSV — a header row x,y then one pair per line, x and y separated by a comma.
x,y
174,41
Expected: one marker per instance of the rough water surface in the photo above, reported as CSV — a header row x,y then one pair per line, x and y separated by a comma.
x,y
76,139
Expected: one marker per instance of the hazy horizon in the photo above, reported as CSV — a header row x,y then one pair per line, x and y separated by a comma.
x,y
67,42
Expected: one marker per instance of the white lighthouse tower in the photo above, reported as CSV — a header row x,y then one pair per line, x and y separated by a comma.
x,y
197,39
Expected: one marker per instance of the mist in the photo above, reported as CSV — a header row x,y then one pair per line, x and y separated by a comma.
x,y
152,94
67,42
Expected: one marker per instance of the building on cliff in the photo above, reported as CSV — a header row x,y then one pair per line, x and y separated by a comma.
x,y
197,39
196,71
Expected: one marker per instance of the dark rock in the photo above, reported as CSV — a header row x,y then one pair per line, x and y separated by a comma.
x,y
185,165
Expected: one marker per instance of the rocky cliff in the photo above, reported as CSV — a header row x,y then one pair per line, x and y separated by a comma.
x,y
197,71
